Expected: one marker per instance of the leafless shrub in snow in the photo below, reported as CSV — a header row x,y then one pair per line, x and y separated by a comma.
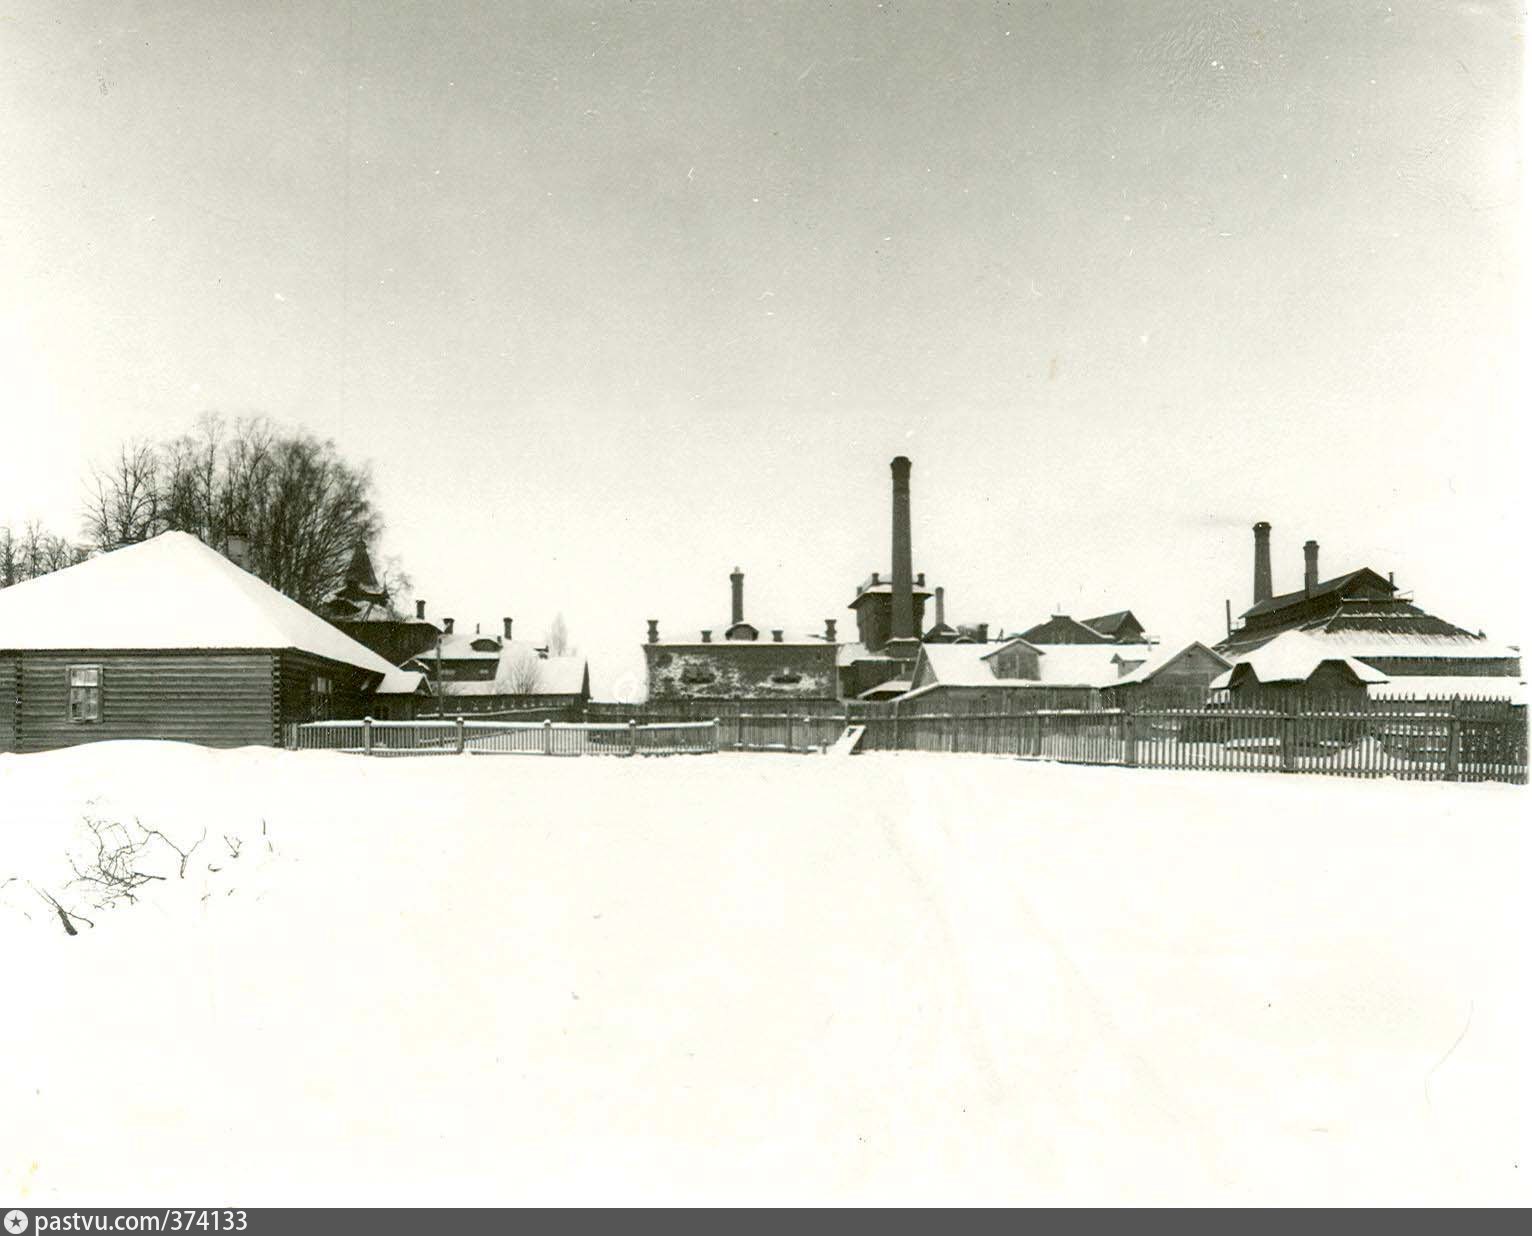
x,y
111,874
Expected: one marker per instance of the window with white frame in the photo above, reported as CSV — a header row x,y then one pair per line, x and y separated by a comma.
x,y
85,693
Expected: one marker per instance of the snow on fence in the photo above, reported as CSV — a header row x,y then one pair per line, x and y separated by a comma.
x,y
1425,740
460,736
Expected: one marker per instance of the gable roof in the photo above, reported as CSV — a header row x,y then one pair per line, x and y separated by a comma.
x,y
1293,657
1159,661
1085,665
1062,629
169,592
1110,624
1336,586
961,665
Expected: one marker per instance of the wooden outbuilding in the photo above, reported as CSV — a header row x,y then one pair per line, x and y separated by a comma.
x,y
168,639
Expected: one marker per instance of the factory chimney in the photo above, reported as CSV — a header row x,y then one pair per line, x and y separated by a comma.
x,y
1262,562
420,610
902,625
1310,568
941,606
737,583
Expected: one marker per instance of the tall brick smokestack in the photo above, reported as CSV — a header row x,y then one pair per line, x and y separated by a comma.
x,y
737,582
1310,568
902,624
1262,562
941,606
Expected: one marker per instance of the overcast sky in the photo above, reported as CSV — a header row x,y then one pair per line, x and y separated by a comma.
x,y
617,296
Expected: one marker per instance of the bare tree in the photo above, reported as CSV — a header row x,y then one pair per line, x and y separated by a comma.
x,y
558,638
124,503
522,674
35,552
303,507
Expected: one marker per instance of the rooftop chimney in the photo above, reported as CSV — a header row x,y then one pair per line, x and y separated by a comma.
x,y
737,585
420,610
776,636
654,630
446,626
1310,568
941,606
984,633
507,622
830,630
1262,532
238,549
707,637
902,625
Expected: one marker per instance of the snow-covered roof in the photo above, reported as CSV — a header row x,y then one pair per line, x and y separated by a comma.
x,y
401,682
1419,687
1293,657
169,592
964,665
763,639
1161,659
1086,665
555,675
459,646
1364,643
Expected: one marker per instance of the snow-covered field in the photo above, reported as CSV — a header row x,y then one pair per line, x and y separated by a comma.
x,y
757,978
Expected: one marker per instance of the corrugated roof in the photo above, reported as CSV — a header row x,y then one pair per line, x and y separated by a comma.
x,y
1324,588
169,592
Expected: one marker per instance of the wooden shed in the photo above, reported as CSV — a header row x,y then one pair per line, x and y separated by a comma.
x,y
169,639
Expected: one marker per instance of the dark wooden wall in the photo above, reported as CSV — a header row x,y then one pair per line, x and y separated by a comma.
x,y
9,680
350,698
219,699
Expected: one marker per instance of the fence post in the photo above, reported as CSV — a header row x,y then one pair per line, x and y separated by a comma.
x,y
367,735
460,735
715,735
632,737
1130,735
547,737
1288,724
789,719
1454,739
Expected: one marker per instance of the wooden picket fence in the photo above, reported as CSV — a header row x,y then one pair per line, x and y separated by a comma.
x,y
1454,739
459,736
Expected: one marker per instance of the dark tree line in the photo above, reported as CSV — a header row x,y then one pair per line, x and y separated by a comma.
x,y
299,506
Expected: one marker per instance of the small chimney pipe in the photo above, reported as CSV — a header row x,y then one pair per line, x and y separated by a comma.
x,y
1310,568
420,610
654,630
941,606
737,588
1228,617
707,637
1262,532
446,626
903,618
238,549
984,633
776,636
830,630
507,623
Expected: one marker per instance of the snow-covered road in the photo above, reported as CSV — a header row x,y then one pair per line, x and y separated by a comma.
x,y
888,978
